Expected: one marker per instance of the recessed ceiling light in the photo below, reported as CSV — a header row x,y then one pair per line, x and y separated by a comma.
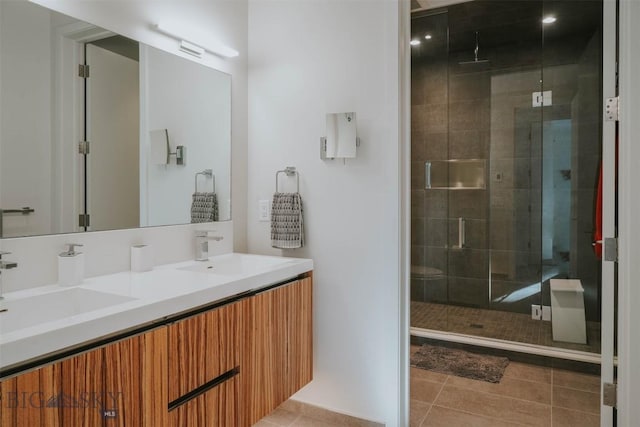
x,y
549,20
414,42
427,37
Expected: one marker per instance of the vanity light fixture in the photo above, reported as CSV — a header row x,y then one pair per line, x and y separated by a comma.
x,y
193,48
549,19
427,37
414,42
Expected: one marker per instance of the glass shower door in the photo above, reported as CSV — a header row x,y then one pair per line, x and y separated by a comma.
x,y
429,146
506,134
515,204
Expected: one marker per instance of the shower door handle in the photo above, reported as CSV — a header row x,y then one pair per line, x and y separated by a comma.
x,y
427,175
462,237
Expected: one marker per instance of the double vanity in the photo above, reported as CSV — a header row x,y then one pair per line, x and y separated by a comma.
x,y
217,342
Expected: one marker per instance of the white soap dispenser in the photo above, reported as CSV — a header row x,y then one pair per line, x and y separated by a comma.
x,y
70,266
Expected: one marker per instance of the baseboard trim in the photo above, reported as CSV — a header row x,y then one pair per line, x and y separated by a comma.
x,y
578,356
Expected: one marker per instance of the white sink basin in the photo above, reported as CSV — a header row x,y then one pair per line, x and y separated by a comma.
x,y
24,312
236,264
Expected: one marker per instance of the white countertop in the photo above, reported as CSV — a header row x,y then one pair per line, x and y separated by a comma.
x,y
150,296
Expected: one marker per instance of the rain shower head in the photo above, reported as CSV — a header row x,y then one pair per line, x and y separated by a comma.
x,y
475,55
475,61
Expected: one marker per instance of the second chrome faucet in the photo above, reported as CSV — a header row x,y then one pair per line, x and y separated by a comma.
x,y
202,244
5,265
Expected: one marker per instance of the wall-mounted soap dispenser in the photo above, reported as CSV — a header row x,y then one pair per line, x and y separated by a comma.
x,y
70,266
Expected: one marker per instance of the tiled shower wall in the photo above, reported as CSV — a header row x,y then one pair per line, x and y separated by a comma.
x,y
429,141
429,208
586,146
450,120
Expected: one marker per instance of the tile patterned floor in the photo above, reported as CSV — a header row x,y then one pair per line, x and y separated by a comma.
x,y
527,395
296,414
495,324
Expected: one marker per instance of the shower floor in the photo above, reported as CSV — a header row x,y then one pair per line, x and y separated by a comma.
x,y
495,324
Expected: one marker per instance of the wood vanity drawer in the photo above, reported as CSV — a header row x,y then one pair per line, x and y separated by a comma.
x,y
216,407
203,347
117,385
278,356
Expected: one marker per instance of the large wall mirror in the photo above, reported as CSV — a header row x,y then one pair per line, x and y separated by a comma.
x,y
135,108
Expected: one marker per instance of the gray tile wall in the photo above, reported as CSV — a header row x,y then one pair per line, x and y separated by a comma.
x,y
450,120
429,141
585,161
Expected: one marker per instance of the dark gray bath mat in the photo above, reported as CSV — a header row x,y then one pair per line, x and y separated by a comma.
x,y
461,363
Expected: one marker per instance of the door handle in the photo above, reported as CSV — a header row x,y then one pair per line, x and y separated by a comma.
x,y
462,233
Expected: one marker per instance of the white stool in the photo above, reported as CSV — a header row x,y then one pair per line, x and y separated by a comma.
x,y
567,311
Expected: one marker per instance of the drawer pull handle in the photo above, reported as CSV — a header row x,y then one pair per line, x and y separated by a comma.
x,y
203,388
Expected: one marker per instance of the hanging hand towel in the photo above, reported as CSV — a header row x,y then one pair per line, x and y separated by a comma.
x,y
287,230
204,207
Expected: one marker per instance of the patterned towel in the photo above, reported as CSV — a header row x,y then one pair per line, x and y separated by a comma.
x,y
287,230
204,207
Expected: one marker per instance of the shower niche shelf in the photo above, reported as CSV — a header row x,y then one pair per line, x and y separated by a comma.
x,y
455,174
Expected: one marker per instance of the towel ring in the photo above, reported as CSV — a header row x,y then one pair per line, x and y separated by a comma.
x,y
206,172
289,171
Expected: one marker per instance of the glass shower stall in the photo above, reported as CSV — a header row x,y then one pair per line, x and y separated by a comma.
x,y
506,151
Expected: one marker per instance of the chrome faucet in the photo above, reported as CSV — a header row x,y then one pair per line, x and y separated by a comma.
x,y
5,265
202,244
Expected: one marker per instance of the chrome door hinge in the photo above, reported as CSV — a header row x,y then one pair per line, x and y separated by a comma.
x,y
83,147
612,109
84,220
83,71
610,249
610,394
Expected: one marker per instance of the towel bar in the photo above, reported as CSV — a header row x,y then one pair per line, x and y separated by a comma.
x,y
289,171
206,172
24,211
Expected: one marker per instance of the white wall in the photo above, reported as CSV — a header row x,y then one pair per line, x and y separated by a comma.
x,y
220,20
194,104
227,22
309,58
105,252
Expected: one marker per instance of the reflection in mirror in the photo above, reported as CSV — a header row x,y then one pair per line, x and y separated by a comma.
x,y
112,117
47,109
193,103
341,136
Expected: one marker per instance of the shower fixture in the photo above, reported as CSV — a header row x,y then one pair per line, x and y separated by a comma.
x,y
475,52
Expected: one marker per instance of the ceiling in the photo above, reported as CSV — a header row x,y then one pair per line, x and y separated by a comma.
x,y
504,23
